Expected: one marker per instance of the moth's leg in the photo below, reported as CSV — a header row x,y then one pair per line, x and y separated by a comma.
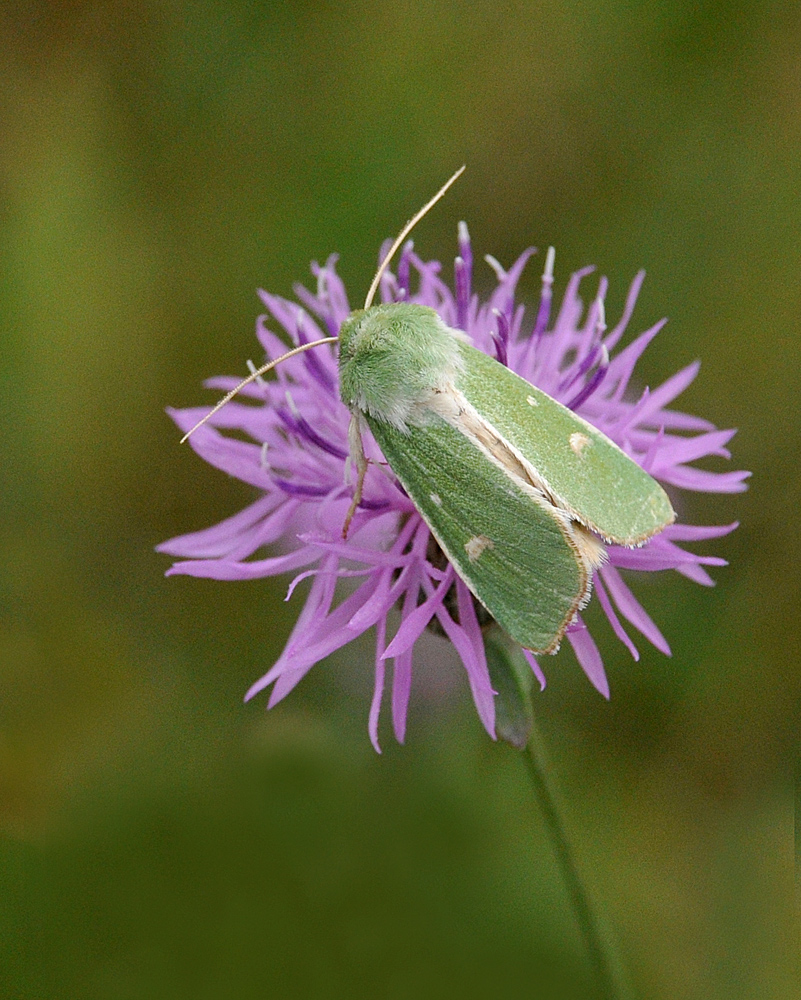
x,y
359,459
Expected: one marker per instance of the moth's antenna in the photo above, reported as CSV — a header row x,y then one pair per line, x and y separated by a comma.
x,y
252,378
331,340
404,233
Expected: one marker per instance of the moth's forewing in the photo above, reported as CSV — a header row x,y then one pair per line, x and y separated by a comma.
x,y
514,553
587,474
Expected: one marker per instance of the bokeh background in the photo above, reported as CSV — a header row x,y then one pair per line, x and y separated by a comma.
x,y
161,160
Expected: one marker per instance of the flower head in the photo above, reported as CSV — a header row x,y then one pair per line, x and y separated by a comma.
x,y
299,460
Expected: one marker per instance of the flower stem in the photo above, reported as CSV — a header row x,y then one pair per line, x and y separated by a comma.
x,y
588,920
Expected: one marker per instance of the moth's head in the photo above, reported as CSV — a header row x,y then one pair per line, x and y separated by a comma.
x,y
392,358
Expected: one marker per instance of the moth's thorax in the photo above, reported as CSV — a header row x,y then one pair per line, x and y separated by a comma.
x,y
393,358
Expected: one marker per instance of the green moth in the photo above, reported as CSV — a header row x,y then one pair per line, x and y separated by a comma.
x,y
519,492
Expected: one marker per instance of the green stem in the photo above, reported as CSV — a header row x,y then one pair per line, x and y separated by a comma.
x,y
512,680
587,918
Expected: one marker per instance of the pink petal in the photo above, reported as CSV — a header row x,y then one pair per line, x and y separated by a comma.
x,y
401,689
475,663
676,420
377,604
503,296
537,670
615,334
237,458
221,538
222,569
701,481
696,573
623,364
588,656
412,626
614,621
632,610
273,346
309,300
259,391
308,647
659,554
347,550
402,675
378,690
337,296
698,532
283,310
676,450
669,389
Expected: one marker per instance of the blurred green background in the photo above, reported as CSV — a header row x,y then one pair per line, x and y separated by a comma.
x,y
159,161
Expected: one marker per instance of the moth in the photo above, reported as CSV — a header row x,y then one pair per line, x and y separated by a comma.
x,y
520,493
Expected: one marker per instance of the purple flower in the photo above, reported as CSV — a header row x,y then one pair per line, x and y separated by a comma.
x,y
299,461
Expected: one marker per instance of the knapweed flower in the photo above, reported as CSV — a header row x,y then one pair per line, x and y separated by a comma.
x,y
298,459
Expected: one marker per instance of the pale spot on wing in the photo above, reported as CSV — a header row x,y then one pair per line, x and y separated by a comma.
x,y
436,499
579,441
531,401
476,545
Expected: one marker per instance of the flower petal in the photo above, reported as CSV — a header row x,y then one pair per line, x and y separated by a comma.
x,y
402,674
632,610
698,532
614,335
222,569
475,663
221,538
413,625
614,621
378,689
587,654
536,669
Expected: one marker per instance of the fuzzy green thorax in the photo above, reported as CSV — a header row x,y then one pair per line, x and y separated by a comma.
x,y
392,358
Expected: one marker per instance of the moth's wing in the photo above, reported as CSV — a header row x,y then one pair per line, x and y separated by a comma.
x,y
587,474
516,553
